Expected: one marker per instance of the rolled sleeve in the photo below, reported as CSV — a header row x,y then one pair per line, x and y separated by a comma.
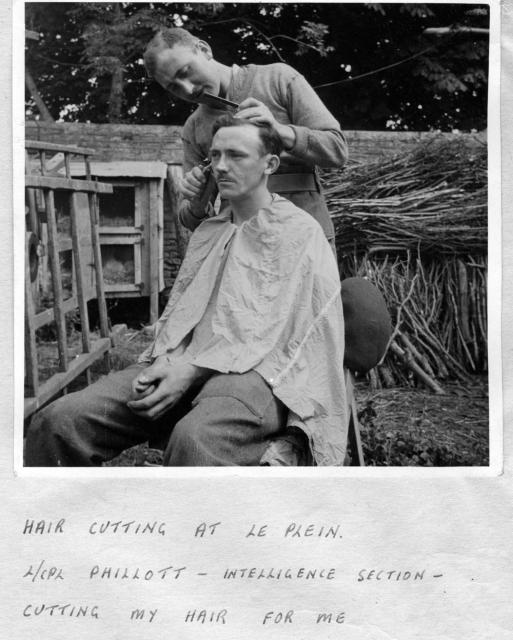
x,y
319,138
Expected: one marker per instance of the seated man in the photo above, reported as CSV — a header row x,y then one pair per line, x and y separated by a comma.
x,y
251,341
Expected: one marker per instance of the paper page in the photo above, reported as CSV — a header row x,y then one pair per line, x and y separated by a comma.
x,y
362,554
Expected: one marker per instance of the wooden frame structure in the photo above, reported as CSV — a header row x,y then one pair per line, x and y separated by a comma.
x,y
141,237
47,181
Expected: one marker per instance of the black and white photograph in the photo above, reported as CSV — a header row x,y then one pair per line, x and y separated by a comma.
x,y
256,325
256,234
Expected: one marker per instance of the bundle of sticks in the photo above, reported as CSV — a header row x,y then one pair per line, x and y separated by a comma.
x,y
433,199
416,226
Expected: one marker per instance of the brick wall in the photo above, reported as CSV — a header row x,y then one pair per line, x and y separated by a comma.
x,y
158,142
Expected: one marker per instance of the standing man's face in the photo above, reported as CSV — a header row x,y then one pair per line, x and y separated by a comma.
x,y
187,72
238,163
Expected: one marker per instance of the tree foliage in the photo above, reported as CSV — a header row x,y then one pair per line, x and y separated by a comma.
x,y
371,63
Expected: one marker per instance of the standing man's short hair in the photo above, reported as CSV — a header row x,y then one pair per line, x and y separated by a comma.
x,y
166,39
270,140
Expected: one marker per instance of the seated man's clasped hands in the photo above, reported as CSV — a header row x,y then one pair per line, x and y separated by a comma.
x,y
250,343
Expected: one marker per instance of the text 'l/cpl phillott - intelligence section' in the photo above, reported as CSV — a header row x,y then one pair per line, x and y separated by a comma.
x,y
203,577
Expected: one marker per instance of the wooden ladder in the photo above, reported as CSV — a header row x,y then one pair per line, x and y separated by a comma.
x,y
53,175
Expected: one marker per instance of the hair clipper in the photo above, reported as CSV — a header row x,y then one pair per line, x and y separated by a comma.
x,y
210,190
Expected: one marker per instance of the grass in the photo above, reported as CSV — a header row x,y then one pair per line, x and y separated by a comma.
x,y
404,427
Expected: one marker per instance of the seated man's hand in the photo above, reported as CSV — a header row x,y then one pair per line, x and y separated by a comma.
x,y
160,386
193,184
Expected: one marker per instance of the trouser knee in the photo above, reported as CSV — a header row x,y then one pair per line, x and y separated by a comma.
x,y
51,420
56,433
185,440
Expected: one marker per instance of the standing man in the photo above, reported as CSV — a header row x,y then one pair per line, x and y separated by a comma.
x,y
274,94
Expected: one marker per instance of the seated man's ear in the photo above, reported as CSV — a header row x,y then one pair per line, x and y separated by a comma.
x,y
273,162
204,47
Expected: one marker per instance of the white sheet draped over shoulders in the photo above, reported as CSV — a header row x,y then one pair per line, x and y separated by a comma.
x,y
278,312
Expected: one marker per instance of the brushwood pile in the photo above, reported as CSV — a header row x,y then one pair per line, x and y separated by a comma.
x,y
415,224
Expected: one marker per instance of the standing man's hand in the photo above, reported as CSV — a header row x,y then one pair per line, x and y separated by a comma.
x,y
193,185
253,110
160,386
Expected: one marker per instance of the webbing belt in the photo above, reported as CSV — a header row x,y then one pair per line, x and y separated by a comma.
x,y
290,182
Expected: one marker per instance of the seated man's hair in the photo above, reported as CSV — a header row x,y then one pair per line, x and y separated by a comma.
x,y
271,141
165,39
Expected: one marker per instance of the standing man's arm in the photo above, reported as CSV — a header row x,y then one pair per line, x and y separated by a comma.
x,y
191,212
318,137
313,134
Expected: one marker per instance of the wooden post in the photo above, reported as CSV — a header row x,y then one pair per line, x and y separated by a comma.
x,y
42,162
97,255
160,226
79,274
31,372
174,175
153,250
34,222
78,265
55,268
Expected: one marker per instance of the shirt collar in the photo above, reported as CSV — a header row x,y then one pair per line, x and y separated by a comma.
x,y
226,215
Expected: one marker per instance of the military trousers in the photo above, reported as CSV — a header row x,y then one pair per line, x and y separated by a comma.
x,y
229,421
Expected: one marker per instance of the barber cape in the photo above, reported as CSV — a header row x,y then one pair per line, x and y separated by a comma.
x,y
279,312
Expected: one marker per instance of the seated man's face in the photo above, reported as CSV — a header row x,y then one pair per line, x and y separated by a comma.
x,y
186,72
238,163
